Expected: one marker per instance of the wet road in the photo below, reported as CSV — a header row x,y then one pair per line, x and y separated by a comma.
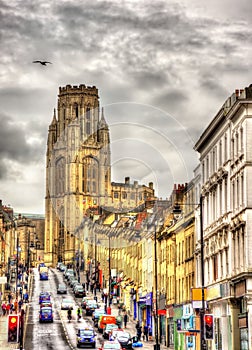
x,y
57,335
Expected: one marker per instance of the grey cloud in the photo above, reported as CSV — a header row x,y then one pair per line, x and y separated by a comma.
x,y
13,142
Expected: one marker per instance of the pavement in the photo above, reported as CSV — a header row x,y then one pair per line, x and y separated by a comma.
x,y
4,345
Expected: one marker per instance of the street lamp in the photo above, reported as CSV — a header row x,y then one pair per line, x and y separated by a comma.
x,y
157,345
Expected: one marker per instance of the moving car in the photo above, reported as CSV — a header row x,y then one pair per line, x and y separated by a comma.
x,y
111,345
85,337
66,304
45,303
46,314
62,289
44,296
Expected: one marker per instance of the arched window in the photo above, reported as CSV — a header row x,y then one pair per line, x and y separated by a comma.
x,y
90,172
60,176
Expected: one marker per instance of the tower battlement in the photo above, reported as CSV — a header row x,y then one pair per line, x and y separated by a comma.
x,y
68,89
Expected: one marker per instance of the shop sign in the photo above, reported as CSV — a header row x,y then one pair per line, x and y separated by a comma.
x,y
213,292
149,299
187,310
162,312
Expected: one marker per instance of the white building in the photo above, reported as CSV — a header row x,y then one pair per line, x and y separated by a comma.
x,y
225,149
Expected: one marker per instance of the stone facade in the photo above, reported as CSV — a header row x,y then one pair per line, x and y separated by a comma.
x,y
78,173
225,156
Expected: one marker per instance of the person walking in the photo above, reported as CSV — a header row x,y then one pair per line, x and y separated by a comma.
x,y
139,332
9,298
20,303
125,319
4,308
146,332
16,306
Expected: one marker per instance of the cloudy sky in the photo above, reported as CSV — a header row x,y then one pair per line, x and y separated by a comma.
x,y
163,69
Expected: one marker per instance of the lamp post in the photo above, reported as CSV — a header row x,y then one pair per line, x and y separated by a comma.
x,y
109,275
202,313
157,345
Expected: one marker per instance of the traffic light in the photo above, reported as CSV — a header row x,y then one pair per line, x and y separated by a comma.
x,y
208,326
13,328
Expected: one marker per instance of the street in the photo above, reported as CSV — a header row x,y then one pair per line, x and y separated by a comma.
x,y
60,334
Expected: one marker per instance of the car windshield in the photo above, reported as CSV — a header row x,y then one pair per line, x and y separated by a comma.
x,y
67,301
61,286
86,332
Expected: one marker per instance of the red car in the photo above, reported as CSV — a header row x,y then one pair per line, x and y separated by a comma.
x,y
111,345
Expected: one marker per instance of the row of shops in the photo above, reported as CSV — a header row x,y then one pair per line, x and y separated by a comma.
x,y
179,325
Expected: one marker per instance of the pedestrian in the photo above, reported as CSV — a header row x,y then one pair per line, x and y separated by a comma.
x,y
9,297
8,306
15,306
146,332
20,303
4,306
26,297
125,320
139,332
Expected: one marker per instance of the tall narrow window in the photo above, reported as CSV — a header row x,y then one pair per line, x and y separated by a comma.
x,y
60,176
90,173
88,121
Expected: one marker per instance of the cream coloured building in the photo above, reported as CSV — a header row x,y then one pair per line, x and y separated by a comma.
x,y
225,149
78,174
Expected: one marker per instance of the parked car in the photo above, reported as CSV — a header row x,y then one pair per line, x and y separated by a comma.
x,y
91,305
62,268
73,282
46,314
86,337
58,265
124,339
84,301
96,314
66,304
104,320
62,289
108,329
68,273
79,291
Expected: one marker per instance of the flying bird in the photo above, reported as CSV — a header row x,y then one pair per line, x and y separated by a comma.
x,y
44,63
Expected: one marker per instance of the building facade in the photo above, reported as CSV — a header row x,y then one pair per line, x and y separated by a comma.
x,y
226,157
78,173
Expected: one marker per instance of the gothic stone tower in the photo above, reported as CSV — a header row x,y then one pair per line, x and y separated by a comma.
x,y
78,168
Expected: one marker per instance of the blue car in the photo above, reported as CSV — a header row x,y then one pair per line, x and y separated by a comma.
x,y
44,296
46,314
86,337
